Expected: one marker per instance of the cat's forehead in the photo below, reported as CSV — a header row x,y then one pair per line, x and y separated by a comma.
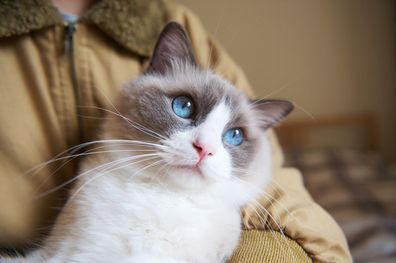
x,y
206,88
149,99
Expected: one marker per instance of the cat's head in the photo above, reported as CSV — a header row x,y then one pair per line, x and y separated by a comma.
x,y
196,127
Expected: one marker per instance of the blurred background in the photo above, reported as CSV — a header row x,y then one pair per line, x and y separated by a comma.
x,y
336,60
332,58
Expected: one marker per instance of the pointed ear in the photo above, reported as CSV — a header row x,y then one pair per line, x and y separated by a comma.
x,y
173,44
272,112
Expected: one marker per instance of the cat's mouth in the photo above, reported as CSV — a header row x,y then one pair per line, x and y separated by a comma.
x,y
191,169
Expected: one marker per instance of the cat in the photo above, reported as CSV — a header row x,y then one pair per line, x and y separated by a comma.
x,y
182,151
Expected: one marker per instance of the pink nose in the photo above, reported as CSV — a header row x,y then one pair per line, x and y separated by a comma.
x,y
203,150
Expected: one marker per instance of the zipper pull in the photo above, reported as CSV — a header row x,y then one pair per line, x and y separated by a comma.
x,y
70,29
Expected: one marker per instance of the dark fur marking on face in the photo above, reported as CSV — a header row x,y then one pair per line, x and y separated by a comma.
x,y
152,108
240,118
173,73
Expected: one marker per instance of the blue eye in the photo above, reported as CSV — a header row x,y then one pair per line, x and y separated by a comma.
x,y
234,136
183,107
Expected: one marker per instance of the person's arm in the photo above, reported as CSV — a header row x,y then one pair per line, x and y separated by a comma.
x,y
299,217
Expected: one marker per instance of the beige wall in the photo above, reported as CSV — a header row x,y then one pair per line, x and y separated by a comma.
x,y
328,56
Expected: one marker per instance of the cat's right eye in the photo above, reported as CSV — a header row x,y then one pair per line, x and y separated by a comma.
x,y
183,107
234,136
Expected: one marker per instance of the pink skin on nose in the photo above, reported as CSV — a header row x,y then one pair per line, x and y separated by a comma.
x,y
203,150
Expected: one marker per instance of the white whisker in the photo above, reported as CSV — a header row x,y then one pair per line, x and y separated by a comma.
x,y
115,162
71,157
118,113
61,156
134,124
102,173
268,197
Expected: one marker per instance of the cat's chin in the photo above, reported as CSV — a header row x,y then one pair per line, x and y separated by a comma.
x,y
186,177
194,170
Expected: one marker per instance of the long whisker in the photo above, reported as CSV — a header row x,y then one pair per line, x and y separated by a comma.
x,y
125,118
260,206
263,209
93,117
219,20
35,169
266,195
261,192
259,215
157,178
134,124
265,222
280,229
272,93
71,157
304,111
256,188
115,162
102,174
90,152
148,166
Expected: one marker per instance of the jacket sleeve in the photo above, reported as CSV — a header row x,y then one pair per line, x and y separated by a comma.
x,y
291,210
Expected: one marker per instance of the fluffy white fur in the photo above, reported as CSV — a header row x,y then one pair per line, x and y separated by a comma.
x,y
164,208
181,217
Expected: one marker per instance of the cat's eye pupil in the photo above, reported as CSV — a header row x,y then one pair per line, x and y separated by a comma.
x,y
183,107
234,137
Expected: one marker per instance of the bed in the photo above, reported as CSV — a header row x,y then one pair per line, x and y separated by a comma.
x,y
344,173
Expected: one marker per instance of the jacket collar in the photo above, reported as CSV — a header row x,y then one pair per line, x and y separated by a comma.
x,y
135,24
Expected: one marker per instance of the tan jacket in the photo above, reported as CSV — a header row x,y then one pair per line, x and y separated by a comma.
x,y
50,79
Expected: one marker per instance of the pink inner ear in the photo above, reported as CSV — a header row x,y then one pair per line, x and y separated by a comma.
x,y
173,44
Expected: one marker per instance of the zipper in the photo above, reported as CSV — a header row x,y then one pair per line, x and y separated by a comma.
x,y
71,28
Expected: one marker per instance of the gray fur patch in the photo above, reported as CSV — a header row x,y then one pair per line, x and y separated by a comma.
x,y
148,102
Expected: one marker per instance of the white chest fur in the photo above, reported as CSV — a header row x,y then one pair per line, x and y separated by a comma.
x,y
140,224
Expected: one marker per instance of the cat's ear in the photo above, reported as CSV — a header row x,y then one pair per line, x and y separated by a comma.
x,y
173,44
272,112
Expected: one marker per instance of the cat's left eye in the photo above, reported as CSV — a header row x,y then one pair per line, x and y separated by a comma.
x,y
234,136
183,107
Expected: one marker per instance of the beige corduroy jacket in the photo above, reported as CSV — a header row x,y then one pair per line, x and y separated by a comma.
x,y
51,74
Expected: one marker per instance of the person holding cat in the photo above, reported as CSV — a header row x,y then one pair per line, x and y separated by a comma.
x,y
55,72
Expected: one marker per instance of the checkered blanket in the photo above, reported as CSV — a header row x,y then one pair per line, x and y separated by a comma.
x,y
359,191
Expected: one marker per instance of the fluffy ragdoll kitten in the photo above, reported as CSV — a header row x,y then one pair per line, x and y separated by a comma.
x,y
182,151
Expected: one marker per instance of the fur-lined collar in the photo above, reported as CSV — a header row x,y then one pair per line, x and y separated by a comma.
x,y
135,24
